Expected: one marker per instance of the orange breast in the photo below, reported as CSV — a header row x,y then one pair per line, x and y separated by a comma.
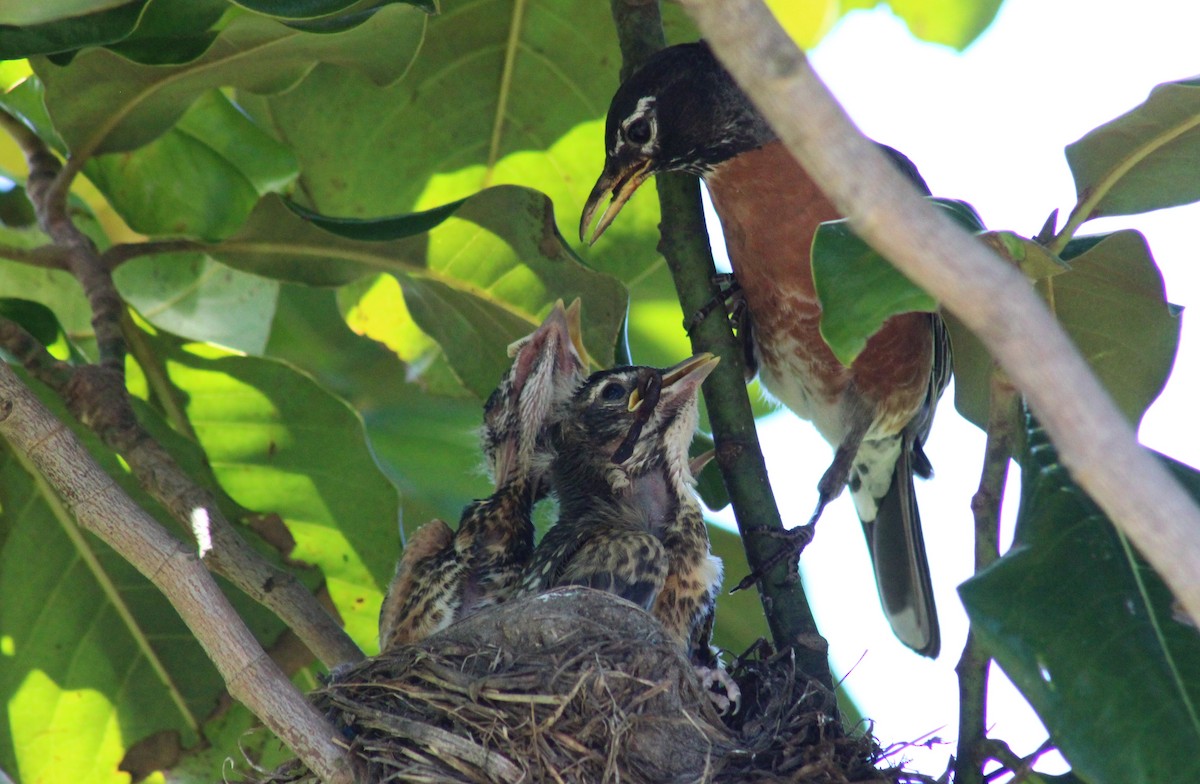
x,y
769,210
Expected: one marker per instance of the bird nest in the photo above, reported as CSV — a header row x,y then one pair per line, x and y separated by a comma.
x,y
579,686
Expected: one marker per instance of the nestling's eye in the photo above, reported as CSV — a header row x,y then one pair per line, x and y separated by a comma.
x,y
613,391
638,131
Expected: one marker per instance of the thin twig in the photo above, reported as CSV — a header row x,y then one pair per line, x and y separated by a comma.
x,y
101,507
685,246
99,401
988,295
48,256
972,667
80,254
1020,767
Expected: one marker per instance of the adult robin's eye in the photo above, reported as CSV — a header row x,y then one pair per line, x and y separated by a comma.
x,y
638,131
613,391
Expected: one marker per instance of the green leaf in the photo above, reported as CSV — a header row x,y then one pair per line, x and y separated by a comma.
x,y
474,111
859,289
311,9
40,322
740,619
279,443
1143,160
172,32
427,444
951,22
96,654
22,13
1084,628
103,103
16,211
32,27
1112,303
201,179
198,298
483,277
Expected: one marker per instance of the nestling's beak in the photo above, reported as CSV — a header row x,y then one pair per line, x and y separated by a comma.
x,y
683,380
620,179
575,330
545,361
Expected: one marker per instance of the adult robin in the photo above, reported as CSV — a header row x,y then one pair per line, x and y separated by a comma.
x,y
683,112
629,522
445,575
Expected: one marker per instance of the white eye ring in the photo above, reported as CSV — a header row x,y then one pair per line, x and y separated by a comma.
x,y
640,128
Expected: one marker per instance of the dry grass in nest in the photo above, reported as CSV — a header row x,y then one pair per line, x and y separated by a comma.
x,y
578,686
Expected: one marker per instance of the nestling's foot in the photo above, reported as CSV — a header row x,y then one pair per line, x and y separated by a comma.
x,y
721,689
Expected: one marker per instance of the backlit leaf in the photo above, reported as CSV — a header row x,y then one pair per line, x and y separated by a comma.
x,y
1084,628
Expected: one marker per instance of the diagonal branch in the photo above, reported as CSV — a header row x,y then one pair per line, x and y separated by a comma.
x,y
100,402
96,395
988,295
99,506
685,246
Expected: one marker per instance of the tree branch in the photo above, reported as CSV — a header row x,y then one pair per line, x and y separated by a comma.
x,y
80,254
987,294
972,667
48,256
685,246
100,507
99,401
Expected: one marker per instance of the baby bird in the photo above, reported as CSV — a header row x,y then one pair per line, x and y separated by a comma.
x,y
683,112
629,522
445,575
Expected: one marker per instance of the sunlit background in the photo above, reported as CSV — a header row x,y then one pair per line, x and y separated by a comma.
x,y
988,126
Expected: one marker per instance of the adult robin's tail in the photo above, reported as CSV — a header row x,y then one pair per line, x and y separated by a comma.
x,y
897,549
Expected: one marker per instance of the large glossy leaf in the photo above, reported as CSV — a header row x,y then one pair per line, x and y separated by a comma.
x,y
480,279
279,443
499,94
171,32
200,179
1143,160
29,27
1085,630
426,443
1113,305
859,289
21,13
95,653
199,298
311,9
103,102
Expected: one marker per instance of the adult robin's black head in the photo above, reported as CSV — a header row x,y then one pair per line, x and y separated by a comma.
x,y
548,365
633,418
680,112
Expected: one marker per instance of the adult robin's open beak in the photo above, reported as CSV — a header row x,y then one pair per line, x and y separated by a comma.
x,y
620,179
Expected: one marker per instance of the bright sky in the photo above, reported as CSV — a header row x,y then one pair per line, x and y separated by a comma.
x,y
988,126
